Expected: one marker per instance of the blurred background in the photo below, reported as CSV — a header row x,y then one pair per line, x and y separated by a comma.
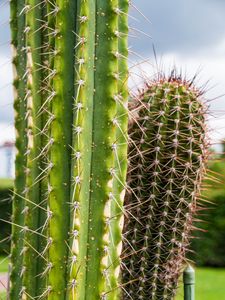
x,y
191,36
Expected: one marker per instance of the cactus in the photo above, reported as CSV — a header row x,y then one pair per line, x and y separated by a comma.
x,y
72,117
167,162
73,114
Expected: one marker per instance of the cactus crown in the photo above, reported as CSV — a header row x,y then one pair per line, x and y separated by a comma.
x,y
167,162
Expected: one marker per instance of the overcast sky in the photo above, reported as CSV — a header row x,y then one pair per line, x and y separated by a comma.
x,y
188,33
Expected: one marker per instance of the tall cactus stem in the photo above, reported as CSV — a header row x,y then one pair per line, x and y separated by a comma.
x,y
76,148
19,61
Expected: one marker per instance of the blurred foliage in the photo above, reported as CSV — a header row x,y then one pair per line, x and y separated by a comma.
x,y
209,246
6,186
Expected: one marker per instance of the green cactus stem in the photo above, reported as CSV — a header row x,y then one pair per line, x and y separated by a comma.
x,y
94,137
19,62
167,163
75,177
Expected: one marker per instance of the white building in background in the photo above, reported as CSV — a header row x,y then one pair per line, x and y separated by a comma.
x,y
7,150
7,157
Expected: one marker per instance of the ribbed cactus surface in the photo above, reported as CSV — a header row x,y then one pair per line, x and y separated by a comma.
x,y
71,119
167,156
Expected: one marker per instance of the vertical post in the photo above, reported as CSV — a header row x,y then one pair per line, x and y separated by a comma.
x,y
189,283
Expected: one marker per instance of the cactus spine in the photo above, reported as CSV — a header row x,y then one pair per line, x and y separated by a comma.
x,y
167,162
76,95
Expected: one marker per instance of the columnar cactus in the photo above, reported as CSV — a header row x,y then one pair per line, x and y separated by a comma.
x,y
73,110
167,162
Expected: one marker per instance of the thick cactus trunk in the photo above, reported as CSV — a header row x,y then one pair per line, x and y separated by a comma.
x,y
167,162
76,96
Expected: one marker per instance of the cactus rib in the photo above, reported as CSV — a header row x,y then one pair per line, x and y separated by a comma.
x,y
59,178
120,157
82,145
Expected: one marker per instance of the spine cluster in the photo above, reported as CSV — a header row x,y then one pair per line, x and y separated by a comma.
x,y
167,157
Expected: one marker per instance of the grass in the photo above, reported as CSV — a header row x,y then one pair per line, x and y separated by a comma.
x,y
209,284
3,269
2,296
6,183
3,264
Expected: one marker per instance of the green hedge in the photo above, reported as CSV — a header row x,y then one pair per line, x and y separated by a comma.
x,y
209,247
6,186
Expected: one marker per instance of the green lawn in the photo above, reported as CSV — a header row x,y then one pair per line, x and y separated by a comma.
x,y
210,284
3,269
3,264
6,183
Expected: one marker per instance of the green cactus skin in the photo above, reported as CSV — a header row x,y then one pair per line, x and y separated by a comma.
x,y
167,163
60,152
97,95
82,147
19,62
76,113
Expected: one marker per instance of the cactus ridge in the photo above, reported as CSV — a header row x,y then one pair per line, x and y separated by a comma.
x,y
115,221
167,163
